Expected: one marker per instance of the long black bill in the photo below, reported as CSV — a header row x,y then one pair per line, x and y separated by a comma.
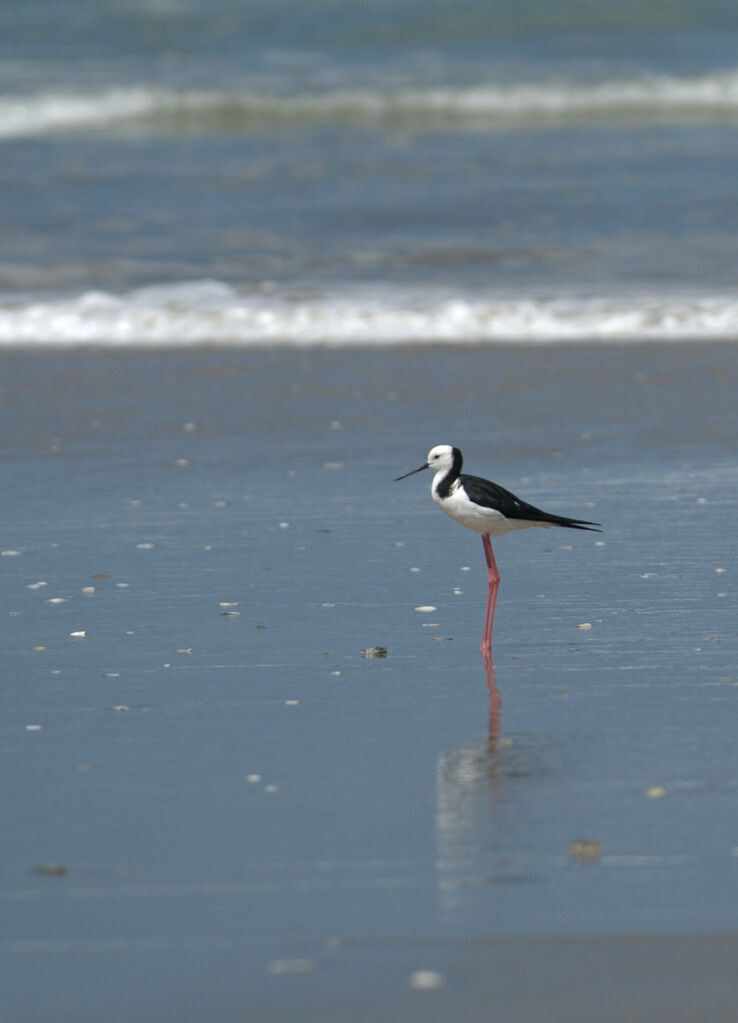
x,y
412,472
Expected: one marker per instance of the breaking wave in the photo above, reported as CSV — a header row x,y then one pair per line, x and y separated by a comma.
x,y
648,97
208,312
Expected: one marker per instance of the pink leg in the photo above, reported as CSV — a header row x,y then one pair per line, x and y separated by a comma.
x,y
493,582
494,704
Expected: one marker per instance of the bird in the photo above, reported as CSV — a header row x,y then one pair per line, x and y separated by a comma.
x,y
486,508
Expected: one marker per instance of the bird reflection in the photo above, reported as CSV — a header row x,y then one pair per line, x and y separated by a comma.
x,y
470,785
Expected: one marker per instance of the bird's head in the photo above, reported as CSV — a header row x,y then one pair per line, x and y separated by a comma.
x,y
440,459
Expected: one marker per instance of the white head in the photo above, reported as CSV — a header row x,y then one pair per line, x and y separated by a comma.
x,y
441,459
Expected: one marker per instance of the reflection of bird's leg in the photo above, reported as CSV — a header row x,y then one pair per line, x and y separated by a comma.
x,y
493,582
495,703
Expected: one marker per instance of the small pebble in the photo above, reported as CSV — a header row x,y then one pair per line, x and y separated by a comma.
x,y
292,965
655,792
57,600
88,589
34,728
426,980
426,608
144,546
78,635
585,625
51,870
584,850
291,703
253,778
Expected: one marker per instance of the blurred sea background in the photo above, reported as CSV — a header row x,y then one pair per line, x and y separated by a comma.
x,y
336,171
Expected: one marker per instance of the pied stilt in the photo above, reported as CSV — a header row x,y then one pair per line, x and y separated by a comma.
x,y
487,508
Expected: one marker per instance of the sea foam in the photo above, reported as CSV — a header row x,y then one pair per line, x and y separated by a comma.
x,y
483,104
209,312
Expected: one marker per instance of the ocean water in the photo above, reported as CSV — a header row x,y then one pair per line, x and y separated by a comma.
x,y
278,172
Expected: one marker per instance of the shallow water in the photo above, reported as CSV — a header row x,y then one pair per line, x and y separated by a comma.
x,y
246,811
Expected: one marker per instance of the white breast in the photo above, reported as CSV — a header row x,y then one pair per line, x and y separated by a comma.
x,y
482,520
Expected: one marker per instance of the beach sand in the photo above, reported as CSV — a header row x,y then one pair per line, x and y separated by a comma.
x,y
216,807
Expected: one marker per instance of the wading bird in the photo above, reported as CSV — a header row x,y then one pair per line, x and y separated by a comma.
x,y
487,508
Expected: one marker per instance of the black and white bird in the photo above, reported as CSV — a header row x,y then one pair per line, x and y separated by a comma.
x,y
487,508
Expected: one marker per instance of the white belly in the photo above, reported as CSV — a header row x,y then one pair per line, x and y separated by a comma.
x,y
482,520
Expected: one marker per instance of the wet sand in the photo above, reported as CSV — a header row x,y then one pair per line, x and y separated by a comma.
x,y
215,806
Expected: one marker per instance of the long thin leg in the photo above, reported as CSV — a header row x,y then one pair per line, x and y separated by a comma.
x,y
493,583
495,704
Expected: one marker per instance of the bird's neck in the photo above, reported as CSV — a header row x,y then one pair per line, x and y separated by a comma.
x,y
444,480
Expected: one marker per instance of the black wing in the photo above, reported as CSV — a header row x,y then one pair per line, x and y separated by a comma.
x,y
492,495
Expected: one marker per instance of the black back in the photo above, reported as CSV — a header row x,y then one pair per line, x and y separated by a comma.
x,y
492,495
